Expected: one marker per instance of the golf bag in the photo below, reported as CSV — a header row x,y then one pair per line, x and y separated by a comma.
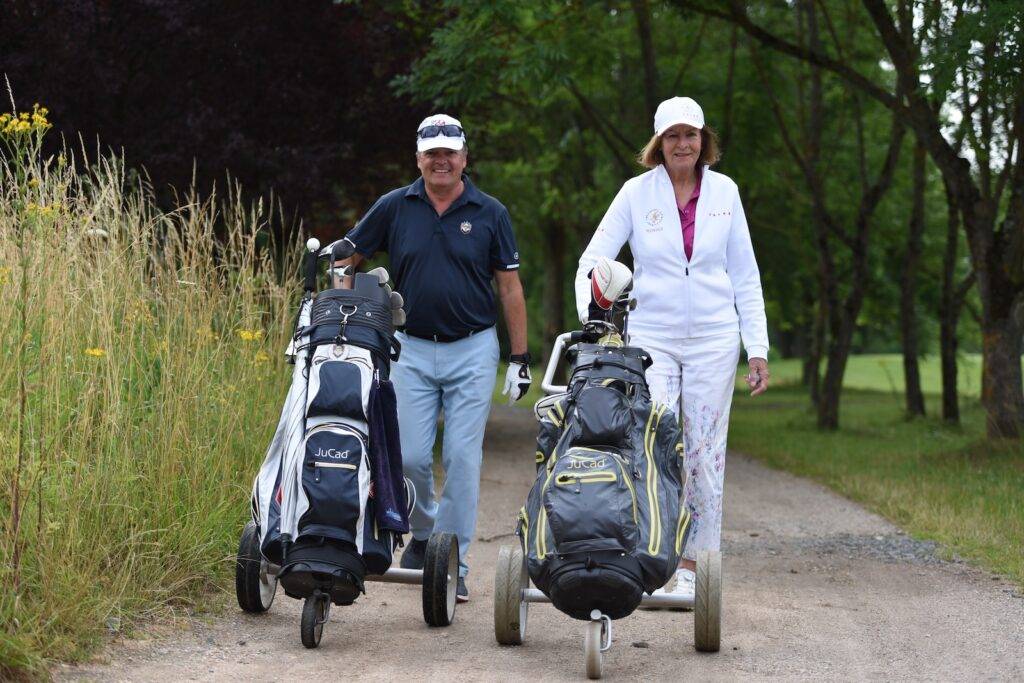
x,y
604,520
330,501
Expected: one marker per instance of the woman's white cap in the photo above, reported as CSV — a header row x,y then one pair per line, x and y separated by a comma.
x,y
677,110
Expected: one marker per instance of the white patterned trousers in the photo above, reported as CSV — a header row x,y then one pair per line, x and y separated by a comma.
x,y
698,374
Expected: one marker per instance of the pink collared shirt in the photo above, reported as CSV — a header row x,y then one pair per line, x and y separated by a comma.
x,y
688,217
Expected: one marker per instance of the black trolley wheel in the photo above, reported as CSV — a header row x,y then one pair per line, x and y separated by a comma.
x,y
254,587
315,609
440,579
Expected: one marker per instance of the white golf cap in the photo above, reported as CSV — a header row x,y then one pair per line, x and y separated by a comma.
x,y
677,110
439,130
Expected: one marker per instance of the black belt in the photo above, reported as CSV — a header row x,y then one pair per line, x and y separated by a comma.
x,y
446,338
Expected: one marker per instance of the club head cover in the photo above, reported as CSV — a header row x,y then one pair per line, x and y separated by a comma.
x,y
398,317
608,280
397,301
381,273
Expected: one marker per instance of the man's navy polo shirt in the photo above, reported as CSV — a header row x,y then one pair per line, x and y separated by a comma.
x,y
442,265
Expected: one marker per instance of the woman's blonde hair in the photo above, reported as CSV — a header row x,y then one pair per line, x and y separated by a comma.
x,y
651,157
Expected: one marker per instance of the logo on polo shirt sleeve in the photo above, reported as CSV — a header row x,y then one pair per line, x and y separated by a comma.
x,y
465,227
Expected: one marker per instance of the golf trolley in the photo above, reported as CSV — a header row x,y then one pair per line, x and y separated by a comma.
x,y
513,592
330,495
256,584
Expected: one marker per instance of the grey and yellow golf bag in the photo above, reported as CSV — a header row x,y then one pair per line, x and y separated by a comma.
x,y
604,521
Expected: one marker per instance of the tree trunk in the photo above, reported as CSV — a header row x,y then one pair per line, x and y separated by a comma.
x,y
832,384
908,290
948,342
812,366
1001,378
949,314
643,26
730,88
554,289
1002,293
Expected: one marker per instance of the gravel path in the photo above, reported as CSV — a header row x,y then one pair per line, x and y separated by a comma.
x,y
815,587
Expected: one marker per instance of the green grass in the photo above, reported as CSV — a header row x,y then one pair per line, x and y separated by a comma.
x,y
883,372
140,383
947,484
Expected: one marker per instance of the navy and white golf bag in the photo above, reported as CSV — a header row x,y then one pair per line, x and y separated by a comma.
x,y
330,501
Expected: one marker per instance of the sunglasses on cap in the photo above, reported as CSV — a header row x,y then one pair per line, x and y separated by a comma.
x,y
450,131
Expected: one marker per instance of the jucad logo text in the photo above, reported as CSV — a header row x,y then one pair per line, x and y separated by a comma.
x,y
331,453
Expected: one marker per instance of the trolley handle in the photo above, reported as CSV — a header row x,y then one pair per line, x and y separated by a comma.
x,y
549,373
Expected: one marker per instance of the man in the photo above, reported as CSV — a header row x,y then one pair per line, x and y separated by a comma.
x,y
446,241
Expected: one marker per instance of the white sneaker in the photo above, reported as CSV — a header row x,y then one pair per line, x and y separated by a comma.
x,y
686,582
682,583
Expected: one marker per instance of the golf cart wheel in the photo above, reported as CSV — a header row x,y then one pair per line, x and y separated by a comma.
x,y
707,604
255,587
440,579
592,649
510,610
314,615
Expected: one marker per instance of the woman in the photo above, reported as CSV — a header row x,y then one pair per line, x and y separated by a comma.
x,y
698,294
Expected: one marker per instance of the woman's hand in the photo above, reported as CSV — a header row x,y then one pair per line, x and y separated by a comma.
x,y
757,377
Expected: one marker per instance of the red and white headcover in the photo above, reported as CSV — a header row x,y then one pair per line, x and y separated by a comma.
x,y
608,280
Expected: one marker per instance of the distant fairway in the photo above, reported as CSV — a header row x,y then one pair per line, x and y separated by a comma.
x,y
884,372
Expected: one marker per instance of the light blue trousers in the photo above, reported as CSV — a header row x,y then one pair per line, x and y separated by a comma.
x,y
456,378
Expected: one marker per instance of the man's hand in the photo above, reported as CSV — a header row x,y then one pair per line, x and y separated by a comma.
x,y
517,379
757,377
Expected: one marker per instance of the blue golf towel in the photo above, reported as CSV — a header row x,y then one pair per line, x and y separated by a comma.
x,y
391,506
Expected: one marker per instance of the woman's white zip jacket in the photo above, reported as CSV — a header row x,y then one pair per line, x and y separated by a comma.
x,y
717,291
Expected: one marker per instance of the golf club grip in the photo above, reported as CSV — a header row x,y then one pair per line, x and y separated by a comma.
x,y
311,261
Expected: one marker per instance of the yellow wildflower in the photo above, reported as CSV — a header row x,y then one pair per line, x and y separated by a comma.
x,y
5,275
250,335
38,210
33,183
95,352
261,357
25,122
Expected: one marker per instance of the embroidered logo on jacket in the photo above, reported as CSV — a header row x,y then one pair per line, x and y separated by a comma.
x,y
654,217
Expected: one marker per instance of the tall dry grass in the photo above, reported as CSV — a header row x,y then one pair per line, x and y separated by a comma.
x,y
140,383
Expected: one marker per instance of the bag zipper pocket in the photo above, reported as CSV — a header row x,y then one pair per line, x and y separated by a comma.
x,y
654,543
525,526
565,479
337,426
620,461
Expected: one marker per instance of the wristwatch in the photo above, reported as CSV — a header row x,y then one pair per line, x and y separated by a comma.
x,y
523,358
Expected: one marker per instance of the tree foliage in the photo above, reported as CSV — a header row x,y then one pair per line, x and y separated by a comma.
x,y
287,97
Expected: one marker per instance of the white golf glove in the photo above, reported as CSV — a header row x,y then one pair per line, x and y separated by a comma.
x,y
517,378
